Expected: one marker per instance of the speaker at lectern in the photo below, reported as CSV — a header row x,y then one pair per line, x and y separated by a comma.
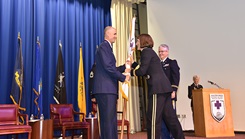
x,y
213,114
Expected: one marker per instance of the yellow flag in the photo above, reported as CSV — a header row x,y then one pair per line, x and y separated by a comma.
x,y
81,86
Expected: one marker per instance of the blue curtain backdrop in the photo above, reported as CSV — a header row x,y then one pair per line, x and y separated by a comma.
x,y
16,16
71,21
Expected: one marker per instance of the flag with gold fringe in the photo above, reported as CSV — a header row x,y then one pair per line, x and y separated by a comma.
x,y
81,86
18,78
37,78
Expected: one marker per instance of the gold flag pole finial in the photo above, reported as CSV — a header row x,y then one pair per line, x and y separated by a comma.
x,y
18,35
19,40
38,42
60,44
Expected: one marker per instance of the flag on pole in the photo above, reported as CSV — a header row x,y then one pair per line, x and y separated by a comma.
x,y
132,37
37,86
81,86
17,82
60,85
125,85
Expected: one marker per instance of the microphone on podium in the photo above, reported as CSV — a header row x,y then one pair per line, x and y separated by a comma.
x,y
211,82
214,84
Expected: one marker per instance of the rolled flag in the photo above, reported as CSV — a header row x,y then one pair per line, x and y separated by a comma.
x,y
125,85
132,37
37,81
18,77
60,85
131,48
81,94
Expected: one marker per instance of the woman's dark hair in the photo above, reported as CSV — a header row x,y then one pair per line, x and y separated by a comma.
x,y
145,41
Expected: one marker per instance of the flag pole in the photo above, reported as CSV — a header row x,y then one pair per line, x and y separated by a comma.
x,y
81,96
130,52
20,49
21,77
60,85
37,89
123,117
18,35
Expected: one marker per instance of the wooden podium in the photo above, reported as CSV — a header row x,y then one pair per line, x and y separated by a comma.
x,y
42,129
215,121
94,127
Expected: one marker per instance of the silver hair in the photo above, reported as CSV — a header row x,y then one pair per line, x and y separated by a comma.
x,y
196,77
107,28
164,46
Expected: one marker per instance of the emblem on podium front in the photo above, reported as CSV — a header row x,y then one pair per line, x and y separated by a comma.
x,y
217,103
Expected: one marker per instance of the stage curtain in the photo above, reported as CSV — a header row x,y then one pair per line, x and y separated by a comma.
x,y
15,16
68,21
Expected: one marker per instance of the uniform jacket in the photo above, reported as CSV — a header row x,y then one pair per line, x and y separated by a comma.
x,y
193,87
171,69
107,75
91,79
151,68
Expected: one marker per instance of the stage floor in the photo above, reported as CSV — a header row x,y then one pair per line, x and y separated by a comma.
x,y
188,135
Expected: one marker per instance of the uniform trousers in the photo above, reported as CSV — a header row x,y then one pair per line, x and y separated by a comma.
x,y
165,131
107,113
160,108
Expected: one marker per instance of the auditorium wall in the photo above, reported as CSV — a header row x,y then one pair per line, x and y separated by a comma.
x,y
207,37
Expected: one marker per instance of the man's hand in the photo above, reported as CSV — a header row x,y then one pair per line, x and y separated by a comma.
x,y
131,58
127,79
127,70
128,66
173,94
128,63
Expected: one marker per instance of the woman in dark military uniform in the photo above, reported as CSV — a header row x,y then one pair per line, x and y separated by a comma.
x,y
159,91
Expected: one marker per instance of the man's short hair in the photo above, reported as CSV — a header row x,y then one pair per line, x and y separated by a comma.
x,y
106,29
164,46
195,77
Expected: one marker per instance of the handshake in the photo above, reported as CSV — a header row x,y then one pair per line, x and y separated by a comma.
x,y
128,64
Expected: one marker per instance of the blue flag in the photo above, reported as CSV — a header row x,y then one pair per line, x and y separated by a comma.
x,y
17,82
37,85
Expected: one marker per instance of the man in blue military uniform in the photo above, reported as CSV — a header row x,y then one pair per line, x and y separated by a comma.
x,y
105,85
172,71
